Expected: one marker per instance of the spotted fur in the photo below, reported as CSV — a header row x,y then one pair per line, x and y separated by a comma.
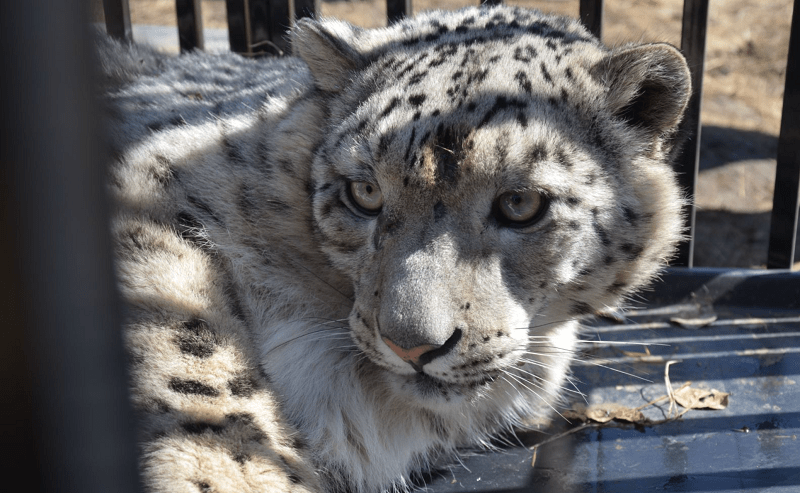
x,y
287,334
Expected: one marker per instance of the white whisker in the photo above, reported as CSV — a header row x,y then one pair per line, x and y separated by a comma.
x,y
565,389
621,343
523,383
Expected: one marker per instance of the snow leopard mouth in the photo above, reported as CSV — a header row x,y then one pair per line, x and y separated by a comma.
x,y
430,386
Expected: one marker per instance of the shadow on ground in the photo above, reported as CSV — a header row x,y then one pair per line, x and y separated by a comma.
x,y
734,197
733,239
722,145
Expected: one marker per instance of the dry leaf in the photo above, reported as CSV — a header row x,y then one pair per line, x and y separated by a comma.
x,y
636,354
692,398
598,415
603,413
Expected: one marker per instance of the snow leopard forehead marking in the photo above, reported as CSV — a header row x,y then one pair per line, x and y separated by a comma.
x,y
506,75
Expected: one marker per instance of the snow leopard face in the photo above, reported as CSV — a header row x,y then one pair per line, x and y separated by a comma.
x,y
487,176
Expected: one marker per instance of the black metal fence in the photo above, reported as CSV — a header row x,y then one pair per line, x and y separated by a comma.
x,y
257,27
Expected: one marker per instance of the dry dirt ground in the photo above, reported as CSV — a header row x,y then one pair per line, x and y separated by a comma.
x,y
747,45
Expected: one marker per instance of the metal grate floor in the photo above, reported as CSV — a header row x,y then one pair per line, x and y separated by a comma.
x,y
734,331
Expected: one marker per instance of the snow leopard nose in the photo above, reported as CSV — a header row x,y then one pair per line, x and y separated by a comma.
x,y
421,355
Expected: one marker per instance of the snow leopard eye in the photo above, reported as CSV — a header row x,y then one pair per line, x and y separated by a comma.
x,y
366,196
519,208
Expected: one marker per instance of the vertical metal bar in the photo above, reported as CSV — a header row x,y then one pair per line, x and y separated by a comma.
x,y
269,21
693,45
258,27
54,221
397,10
786,201
238,26
259,13
280,15
591,14
190,24
118,18
306,8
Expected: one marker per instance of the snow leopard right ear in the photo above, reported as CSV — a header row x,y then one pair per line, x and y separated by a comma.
x,y
328,47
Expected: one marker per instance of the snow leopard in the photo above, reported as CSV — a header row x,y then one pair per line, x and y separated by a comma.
x,y
341,266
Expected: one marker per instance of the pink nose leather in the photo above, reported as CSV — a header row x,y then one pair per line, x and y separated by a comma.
x,y
409,355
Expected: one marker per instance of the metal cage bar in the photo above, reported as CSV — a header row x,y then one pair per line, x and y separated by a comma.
x,y
307,8
591,14
238,25
258,27
190,25
54,224
397,10
786,199
277,18
118,18
693,45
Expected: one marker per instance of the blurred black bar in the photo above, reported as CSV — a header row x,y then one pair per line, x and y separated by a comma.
x,y
280,14
491,2
786,200
397,10
259,27
118,18
73,424
238,26
306,8
693,45
269,22
190,24
591,14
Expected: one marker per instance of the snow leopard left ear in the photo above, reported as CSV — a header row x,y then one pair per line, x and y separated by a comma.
x,y
648,86
328,49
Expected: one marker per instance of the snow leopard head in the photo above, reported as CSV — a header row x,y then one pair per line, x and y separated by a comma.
x,y
489,176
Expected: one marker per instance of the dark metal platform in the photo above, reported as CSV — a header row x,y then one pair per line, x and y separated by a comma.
x,y
751,350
